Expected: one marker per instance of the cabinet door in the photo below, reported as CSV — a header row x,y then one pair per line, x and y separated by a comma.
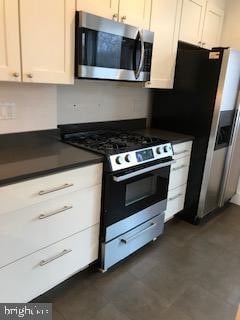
x,y
10,67
135,12
165,23
103,8
47,35
212,26
192,20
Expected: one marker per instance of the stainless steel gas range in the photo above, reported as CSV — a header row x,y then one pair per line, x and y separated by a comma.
x,y
135,186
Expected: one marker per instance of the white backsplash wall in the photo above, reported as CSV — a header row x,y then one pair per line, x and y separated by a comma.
x,y
36,106
93,101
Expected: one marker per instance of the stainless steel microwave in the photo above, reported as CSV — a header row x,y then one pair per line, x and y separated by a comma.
x,y
106,49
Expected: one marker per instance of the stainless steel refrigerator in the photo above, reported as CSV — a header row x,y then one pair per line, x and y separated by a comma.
x,y
204,103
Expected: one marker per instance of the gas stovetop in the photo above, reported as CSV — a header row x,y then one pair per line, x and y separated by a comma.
x,y
123,149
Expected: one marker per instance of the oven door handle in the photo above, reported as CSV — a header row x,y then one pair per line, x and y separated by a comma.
x,y
126,241
142,171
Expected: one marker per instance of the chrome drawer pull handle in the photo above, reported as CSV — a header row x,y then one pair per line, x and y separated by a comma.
x,y
174,198
179,168
181,152
44,216
63,253
66,185
126,241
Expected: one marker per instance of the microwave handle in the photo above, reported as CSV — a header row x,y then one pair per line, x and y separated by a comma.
x,y
142,171
140,67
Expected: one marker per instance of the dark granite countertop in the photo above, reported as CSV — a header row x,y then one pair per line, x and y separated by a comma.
x,y
34,154
171,136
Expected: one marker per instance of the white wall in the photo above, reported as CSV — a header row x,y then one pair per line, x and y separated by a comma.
x,y
36,106
40,107
90,101
231,26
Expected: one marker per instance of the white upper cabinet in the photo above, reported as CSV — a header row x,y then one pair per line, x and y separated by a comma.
x,y
47,40
10,66
165,23
103,8
212,26
201,22
192,20
135,12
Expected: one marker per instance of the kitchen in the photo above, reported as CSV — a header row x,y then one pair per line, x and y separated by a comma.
x,y
48,185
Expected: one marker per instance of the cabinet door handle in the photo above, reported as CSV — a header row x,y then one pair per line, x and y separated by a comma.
x,y
115,16
61,254
126,241
199,43
203,44
181,152
123,19
179,168
174,198
66,185
47,215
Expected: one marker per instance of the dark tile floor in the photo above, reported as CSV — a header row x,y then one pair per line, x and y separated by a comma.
x,y
190,273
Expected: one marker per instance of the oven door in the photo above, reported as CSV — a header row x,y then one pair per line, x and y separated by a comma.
x,y
107,49
132,191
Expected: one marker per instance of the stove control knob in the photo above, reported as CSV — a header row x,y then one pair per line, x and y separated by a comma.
x,y
119,160
128,158
165,148
158,150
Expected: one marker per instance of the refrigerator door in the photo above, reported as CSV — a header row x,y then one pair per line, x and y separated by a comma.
x,y
232,165
231,81
214,189
215,180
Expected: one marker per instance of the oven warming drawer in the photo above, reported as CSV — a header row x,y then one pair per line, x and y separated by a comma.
x,y
121,247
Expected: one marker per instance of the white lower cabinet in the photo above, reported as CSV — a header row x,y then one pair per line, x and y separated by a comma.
x,y
30,229
182,150
31,192
47,236
178,179
35,274
175,202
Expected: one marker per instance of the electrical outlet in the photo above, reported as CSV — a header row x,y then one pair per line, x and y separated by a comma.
x,y
7,110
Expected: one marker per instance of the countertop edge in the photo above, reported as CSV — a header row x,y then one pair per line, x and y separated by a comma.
x,y
42,173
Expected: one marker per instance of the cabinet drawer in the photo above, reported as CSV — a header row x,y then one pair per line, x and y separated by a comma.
x,y
24,194
35,274
175,201
130,241
27,230
182,150
179,173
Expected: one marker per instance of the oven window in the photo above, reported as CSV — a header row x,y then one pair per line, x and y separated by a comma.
x,y
141,189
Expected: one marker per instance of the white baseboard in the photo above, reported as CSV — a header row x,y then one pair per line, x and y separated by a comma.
x,y
236,199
